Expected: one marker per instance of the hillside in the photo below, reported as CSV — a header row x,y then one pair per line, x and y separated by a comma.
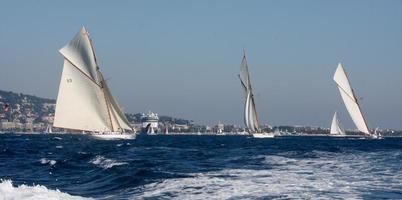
x,y
29,108
25,108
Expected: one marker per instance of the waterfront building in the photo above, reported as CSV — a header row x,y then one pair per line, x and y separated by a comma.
x,y
150,122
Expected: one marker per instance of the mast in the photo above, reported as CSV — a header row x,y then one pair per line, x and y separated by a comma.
x,y
349,98
357,102
252,96
107,102
251,116
361,111
101,80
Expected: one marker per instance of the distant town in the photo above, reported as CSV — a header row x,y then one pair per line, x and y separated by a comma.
x,y
27,113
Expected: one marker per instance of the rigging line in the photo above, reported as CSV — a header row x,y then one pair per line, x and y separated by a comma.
x,y
353,98
92,49
255,111
85,74
358,105
102,79
242,83
106,100
113,113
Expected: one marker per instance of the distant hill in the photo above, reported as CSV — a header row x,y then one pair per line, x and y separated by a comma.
x,y
25,107
14,98
29,107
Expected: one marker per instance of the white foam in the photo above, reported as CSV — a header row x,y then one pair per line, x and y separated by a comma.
x,y
59,147
35,192
47,161
106,163
332,176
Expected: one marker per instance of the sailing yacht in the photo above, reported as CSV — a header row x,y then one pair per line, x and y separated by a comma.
x,y
336,129
352,105
250,112
85,102
48,129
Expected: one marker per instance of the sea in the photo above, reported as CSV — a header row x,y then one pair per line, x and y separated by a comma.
x,y
74,166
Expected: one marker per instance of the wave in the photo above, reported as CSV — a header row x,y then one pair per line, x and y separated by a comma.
x,y
106,163
47,161
26,192
284,178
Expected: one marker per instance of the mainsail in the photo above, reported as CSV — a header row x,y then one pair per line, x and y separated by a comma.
x,y
336,126
350,100
84,101
250,113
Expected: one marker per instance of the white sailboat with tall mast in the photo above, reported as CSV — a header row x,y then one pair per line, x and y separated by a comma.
x,y
250,113
336,129
351,102
85,102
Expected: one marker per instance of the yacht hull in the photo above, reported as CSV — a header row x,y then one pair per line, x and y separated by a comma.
x,y
114,136
263,135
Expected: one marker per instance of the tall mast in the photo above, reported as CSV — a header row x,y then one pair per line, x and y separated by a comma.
x,y
357,102
251,91
101,80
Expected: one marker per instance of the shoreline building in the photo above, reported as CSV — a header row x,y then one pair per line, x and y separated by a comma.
x,y
150,122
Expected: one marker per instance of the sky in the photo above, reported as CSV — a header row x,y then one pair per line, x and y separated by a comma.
x,y
182,58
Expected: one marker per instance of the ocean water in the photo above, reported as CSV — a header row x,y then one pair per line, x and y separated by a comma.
x,y
199,167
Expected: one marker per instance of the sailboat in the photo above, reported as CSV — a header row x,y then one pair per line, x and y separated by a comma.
x,y
336,129
349,99
250,113
49,129
166,130
85,102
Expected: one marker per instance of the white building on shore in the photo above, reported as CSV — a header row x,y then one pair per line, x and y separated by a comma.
x,y
150,122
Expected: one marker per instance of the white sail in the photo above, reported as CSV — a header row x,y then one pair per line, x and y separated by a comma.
x,y
80,53
250,112
119,120
80,103
84,101
336,127
246,113
245,76
253,120
350,99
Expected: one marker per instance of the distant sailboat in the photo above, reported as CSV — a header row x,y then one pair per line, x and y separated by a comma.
x,y
250,112
166,130
351,102
85,102
336,129
49,129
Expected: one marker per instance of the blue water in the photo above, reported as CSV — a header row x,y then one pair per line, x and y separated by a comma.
x,y
200,167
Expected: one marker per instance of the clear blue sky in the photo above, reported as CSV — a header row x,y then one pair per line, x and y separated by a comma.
x,y
181,58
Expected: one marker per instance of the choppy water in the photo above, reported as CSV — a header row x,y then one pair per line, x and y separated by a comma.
x,y
199,167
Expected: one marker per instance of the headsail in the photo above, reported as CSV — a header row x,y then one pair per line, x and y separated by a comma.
x,y
336,128
350,100
80,104
79,53
84,101
250,112
118,118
